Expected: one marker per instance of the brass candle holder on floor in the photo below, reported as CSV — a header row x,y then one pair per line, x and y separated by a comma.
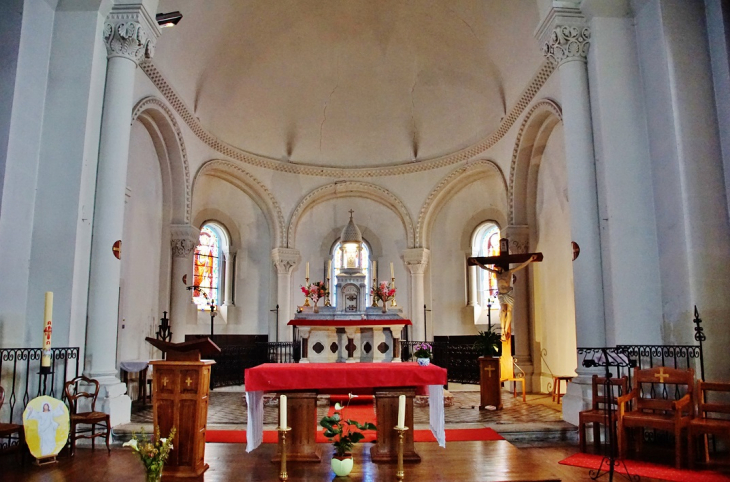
x,y
282,438
400,475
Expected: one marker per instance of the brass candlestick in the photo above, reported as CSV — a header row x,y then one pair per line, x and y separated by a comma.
x,y
375,298
393,302
306,298
400,475
327,300
282,438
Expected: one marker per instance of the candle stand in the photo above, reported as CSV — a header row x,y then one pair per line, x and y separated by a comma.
x,y
282,443
393,303
400,474
306,299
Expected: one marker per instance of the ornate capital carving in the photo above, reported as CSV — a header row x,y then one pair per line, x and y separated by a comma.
x,y
567,42
416,259
130,32
183,240
285,259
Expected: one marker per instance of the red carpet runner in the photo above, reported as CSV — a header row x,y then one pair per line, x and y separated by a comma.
x,y
645,469
361,409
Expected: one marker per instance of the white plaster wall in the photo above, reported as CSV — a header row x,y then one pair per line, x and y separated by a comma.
x,y
552,279
142,236
446,275
255,281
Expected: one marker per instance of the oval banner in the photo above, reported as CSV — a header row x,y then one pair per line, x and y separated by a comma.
x,y
46,425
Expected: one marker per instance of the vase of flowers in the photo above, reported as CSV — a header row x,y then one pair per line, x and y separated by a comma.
x,y
315,291
422,352
152,454
343,434
384,292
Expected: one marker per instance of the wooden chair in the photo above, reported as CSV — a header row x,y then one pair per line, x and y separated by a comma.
x,y
514,376
557,393
86,418
7,430
601,401
648,411
707,421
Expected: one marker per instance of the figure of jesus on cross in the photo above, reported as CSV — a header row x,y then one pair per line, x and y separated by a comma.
x,y
504,276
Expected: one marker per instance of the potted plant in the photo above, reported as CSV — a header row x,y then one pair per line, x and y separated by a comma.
x,y
488,343
343,437
422,352
152,454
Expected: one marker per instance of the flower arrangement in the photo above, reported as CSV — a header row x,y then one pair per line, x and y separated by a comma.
x,y
383,291
341,432
422,350
152,454
315,291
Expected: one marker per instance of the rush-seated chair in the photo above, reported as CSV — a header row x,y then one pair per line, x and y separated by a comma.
x,y
602,404
9,430
655,407
93,418
708,419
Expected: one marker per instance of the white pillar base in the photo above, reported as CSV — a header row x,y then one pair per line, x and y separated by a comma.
x,y
577,396
114,400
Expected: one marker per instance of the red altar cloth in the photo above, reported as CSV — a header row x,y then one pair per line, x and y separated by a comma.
x,y
322,376
306,322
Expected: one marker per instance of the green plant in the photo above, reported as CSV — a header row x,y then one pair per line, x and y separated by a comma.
x,y
422,350
489,343
341,432
152,454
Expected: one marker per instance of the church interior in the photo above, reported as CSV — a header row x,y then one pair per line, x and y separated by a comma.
x,y
375,204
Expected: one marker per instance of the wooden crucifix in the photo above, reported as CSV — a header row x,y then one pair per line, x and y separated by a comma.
x,y
501,268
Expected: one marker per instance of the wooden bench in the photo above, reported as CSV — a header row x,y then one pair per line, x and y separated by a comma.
x,y
651,412
707,421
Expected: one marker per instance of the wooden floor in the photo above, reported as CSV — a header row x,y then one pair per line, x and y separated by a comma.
x,y
459,461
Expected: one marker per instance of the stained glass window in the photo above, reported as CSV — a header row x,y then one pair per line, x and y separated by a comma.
x,y
206,267
337,266
486,243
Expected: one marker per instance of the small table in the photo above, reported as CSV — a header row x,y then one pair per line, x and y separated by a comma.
x,y
140,368
557,394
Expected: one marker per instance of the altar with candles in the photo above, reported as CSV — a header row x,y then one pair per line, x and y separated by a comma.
x,y
350,331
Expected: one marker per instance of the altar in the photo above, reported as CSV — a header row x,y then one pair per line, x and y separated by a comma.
x,y
330,336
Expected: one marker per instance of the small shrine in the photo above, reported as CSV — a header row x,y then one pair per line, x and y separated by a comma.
x,y
351,331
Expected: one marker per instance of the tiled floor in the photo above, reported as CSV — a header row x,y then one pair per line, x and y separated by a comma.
x,y
229,408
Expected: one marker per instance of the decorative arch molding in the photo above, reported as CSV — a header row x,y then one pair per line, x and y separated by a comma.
x,y
346,189
534,131
392,169
455,180
169,143
233,174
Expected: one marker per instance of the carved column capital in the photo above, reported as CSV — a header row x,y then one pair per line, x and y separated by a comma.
x,y
285,259
130,32
416,259
567,43
183,240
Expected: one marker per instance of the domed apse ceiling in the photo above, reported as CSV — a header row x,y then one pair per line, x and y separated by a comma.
x,y
350,83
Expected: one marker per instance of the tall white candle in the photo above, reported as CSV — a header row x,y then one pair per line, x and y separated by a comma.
x,y
282,411
307,275
47,329
329,268
401,411
392,275
375,270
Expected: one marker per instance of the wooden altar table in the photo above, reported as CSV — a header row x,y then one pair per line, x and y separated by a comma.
x,y
385,380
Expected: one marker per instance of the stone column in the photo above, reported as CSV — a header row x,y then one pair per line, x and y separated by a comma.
x,y
519,237
285,259
130,32
230,259
416,261
183,240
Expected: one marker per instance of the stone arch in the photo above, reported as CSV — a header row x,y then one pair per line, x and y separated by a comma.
x,y
168,140
349,189
255,189
532,137
455,180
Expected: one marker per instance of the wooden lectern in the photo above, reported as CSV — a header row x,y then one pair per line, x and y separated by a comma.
x,y
180,386
490,383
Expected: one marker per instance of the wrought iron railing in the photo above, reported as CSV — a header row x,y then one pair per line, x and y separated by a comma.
x,y
460,360
233,360
20,377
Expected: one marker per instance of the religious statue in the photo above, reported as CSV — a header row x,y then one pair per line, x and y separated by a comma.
x,y
505,278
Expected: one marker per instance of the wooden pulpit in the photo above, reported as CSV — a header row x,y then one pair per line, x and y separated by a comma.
x,y
180,386
490,383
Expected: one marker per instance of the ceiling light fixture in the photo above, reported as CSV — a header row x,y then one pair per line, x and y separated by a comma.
x,y
168,19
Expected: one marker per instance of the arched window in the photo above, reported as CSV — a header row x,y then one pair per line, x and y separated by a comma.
x,y
208,266
485,242
336,254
